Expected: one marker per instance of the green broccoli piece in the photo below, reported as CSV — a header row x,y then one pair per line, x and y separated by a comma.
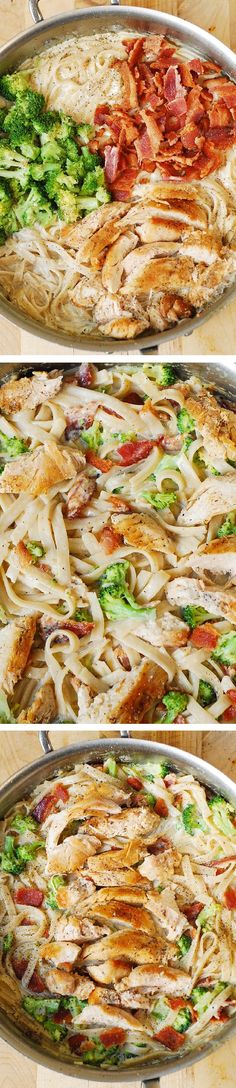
x,y
185,422
101,1054
162,375
46,121
192,819
35,549
81,615
85,133
161,1009
194,615
7,943
13,859
206,918
34,208
30,150
184,944
41,1007
5,202
228,527
14,166
52,151
92,436
67,204
225,651
115,597
12,85
182,1020
57,1031
186,443
206,693
74,1004
161,500
19,121
176,702
202,997
6,716
223,814
23,823
13,447
110,766
90,159
53,884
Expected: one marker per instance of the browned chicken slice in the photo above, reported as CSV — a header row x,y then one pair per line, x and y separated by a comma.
x,y
142,531
44,706
86,228
160,866
157,979
71,895
216,424
23,393
79,495
216,495
71,928
217,557
157,228
69,856
128,944
107,1016
126,914
15,644
136,896
129,824
191,591
109,971
162,274
166,912
130,854
130,700
37,472
113,264
166,630
66,983
59,953
110,878
203,247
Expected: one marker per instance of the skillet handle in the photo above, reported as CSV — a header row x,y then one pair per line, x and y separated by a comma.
x,y
35,12
150,1083
45,742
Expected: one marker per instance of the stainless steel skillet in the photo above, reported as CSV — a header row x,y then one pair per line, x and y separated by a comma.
x,y
87,21
18,787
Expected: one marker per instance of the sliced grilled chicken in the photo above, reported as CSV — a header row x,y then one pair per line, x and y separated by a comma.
x,y
185,591
216,558
156,979
216,495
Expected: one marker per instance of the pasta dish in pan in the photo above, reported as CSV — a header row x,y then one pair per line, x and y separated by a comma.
x,y
117,185
117,913
117,522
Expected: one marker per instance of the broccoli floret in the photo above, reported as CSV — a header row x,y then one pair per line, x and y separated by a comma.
x,y
90,159
161,1009
46,121
115,597
176,702
34,208
225,651
11,85
41,1007
161,500
5,201
186,443
93,435
52,151
182,1020
13,859
222,813
67,204
74,1004
202,997
110,766
206,918
57,1031
13,447
206,693
195,615
228,527
23,823
53,884
185,422
184,944
162,375
7,943
14,166
82,614
85,133
6,716
20,118
101,1054
30,150
35,549
192,819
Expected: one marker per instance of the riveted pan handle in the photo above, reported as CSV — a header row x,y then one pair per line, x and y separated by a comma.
x,y
151,1083
47,745
37,16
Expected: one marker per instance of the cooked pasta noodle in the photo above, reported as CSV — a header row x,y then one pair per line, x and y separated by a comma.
x,y
117,913
117,499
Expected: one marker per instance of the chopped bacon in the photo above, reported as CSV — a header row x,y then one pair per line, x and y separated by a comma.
x,y
62,1016
232,696
78,627
134,782
19,965
172,84
110,539
219,114
229,715
132,452
130,101
86,375
181,1003
161,808
49,802
230,898
75,1042
190,136
113,1037
112,161
135,51
204,636
153,130
192,910
61,793
99,462
170,1038
123,659
122,506
159,846
31,897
